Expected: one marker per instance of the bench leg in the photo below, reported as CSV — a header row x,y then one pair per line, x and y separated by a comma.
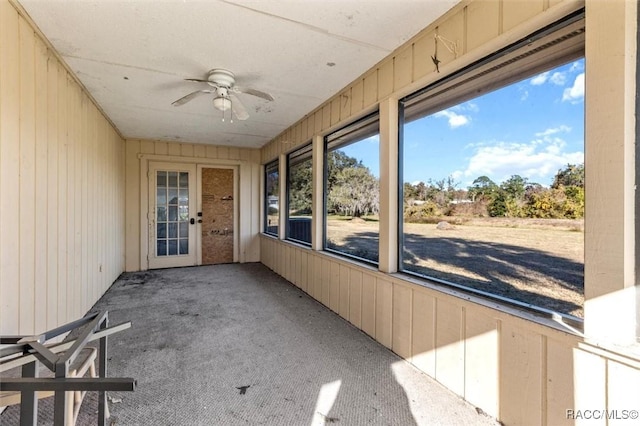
x,y
29,399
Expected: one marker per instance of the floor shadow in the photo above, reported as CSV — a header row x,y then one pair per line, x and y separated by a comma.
x,y
364,245
515,272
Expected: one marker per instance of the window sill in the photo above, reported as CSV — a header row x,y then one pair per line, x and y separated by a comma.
x,y
562,322
629,355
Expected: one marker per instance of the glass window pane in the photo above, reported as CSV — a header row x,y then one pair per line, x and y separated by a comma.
x,y
162,230
271,198
173,179
173,247
161,179
184,197
184,246
173,213
299,188
184,180
184,213
493,191
173,196
352,190
161,196
162,214
173,230
161,249
184,229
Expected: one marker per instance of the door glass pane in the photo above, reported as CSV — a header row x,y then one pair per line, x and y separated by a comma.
x,y
172,213
173,247
162,248
184,230
162,196
184,180
162,180
183,212
173,196
162,230
162,213
184,246
184,197
173,179
173,230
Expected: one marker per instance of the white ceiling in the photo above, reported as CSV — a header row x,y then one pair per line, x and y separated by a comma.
x,y
133,56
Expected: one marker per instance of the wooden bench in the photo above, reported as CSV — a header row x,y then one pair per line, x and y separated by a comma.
x,y
84,363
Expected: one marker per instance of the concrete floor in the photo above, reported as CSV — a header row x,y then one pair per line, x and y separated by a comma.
x,y
237,344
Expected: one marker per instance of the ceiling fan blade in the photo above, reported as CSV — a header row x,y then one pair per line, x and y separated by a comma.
x,y
197,80
183,100
254,92
237,108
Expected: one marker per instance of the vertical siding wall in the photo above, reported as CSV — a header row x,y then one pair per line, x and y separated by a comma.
x,y
517,370
61,188
513,368
139,152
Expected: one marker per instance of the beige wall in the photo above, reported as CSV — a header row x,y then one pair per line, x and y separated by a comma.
x,y
246,163
515,366
61,187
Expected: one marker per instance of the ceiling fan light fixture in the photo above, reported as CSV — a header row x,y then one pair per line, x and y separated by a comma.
x,y
223,104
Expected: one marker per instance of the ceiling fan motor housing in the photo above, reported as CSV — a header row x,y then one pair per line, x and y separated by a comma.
x,y
221,77
222,103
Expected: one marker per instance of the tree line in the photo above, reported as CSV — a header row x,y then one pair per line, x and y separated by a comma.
x,y
516,197
352,190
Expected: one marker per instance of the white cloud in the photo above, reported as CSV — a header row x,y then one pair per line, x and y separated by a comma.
x,y
540,79
458,174
455,119
553,130
575,93
558,78
470,106
537,160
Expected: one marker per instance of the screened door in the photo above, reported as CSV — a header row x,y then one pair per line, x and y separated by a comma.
x,y
172,213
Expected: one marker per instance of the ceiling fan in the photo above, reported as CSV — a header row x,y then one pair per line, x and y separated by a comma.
x,y
223,83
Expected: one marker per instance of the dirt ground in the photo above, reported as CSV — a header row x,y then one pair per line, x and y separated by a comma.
x,y
533,261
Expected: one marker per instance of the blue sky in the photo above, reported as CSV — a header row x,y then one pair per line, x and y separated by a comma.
x,y
531,128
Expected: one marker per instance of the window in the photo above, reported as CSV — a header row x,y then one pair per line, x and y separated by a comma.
x,y
299,189
352,193
172,213
492,194
271,198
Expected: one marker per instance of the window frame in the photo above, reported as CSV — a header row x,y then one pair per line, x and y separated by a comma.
x,y
301,154
348,134
269,168
514,63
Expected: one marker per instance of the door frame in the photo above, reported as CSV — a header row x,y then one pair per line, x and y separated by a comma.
x,y
171,261
236,221
247,177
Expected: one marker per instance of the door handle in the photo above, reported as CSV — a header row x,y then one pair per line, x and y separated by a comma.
x,y
192,221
